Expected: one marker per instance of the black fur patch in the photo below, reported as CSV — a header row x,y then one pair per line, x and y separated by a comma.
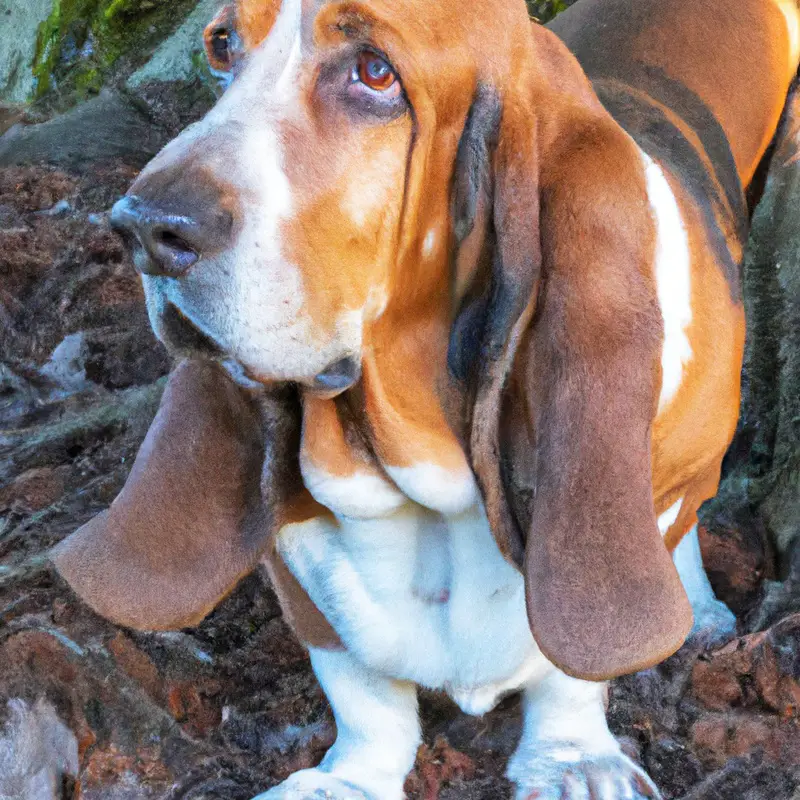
x,y
719,196
472,174
472,178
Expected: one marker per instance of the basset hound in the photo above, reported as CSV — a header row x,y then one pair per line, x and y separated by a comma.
x,y
459,304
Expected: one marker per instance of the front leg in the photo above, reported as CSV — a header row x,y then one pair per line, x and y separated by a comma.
x,y
714,623
567,751
377,738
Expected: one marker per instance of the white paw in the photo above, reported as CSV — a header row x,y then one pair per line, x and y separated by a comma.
x,y
714,623
561,772
313,784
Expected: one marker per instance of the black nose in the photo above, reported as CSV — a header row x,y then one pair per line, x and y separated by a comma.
x,y
169,240
164,244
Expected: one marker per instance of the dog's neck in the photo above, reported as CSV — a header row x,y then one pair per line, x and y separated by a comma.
x,y
398,435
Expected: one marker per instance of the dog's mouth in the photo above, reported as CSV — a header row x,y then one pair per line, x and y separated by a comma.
x,y
184,338
337,378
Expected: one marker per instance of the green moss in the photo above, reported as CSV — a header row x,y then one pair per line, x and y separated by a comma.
x,y
115,7
83,42
545,10
46,49
88,81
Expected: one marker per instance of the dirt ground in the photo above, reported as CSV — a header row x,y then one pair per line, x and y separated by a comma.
x,y
231,707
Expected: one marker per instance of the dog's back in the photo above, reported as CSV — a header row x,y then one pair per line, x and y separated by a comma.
x,y
699,84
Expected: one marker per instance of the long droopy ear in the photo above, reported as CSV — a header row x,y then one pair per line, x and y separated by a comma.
x,y
565,381
189,522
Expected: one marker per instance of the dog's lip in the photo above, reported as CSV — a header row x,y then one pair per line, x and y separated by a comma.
x,y
186,335
336,378
240,375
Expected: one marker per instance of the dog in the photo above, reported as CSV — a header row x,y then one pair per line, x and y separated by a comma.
x,y
458,301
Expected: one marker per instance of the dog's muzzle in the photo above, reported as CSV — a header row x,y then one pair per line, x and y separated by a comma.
x,y
178,222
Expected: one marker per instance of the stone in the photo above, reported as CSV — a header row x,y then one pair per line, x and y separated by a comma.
x,y
117,130
195,705
735,558
438,766
67,365
137,665
716,738
746,778
176,57
18,49
759,670
33,490
671,763
59,209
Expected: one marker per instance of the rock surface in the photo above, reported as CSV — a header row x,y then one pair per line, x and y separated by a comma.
x,y
20,23
118,129
177,58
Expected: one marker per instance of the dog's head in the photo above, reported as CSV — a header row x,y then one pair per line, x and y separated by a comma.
x,y
315,197
374,165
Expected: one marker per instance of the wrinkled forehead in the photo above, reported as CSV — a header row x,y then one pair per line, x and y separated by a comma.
x,y
443,33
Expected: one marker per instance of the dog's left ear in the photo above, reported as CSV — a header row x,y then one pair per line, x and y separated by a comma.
x,y
561,349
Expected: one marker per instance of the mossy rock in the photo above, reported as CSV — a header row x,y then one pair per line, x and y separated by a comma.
x,y
545,10
19,21
83,44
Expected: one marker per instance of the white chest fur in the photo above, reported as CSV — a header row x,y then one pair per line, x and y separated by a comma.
x,y
420,596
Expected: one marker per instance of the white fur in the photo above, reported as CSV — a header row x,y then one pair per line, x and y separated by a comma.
x,y
789,9
251,298
381,584
375,717
565,732
481,700
363,495
673,280
427,597
667,519
367,196
710,615
564,717
377,733
429,243
432,486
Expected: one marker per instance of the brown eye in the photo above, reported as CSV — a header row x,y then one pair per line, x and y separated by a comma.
x,y
375,73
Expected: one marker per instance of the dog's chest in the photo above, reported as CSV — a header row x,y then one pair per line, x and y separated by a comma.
x,y
420,596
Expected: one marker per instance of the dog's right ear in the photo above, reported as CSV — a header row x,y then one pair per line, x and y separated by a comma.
x,y
190,521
